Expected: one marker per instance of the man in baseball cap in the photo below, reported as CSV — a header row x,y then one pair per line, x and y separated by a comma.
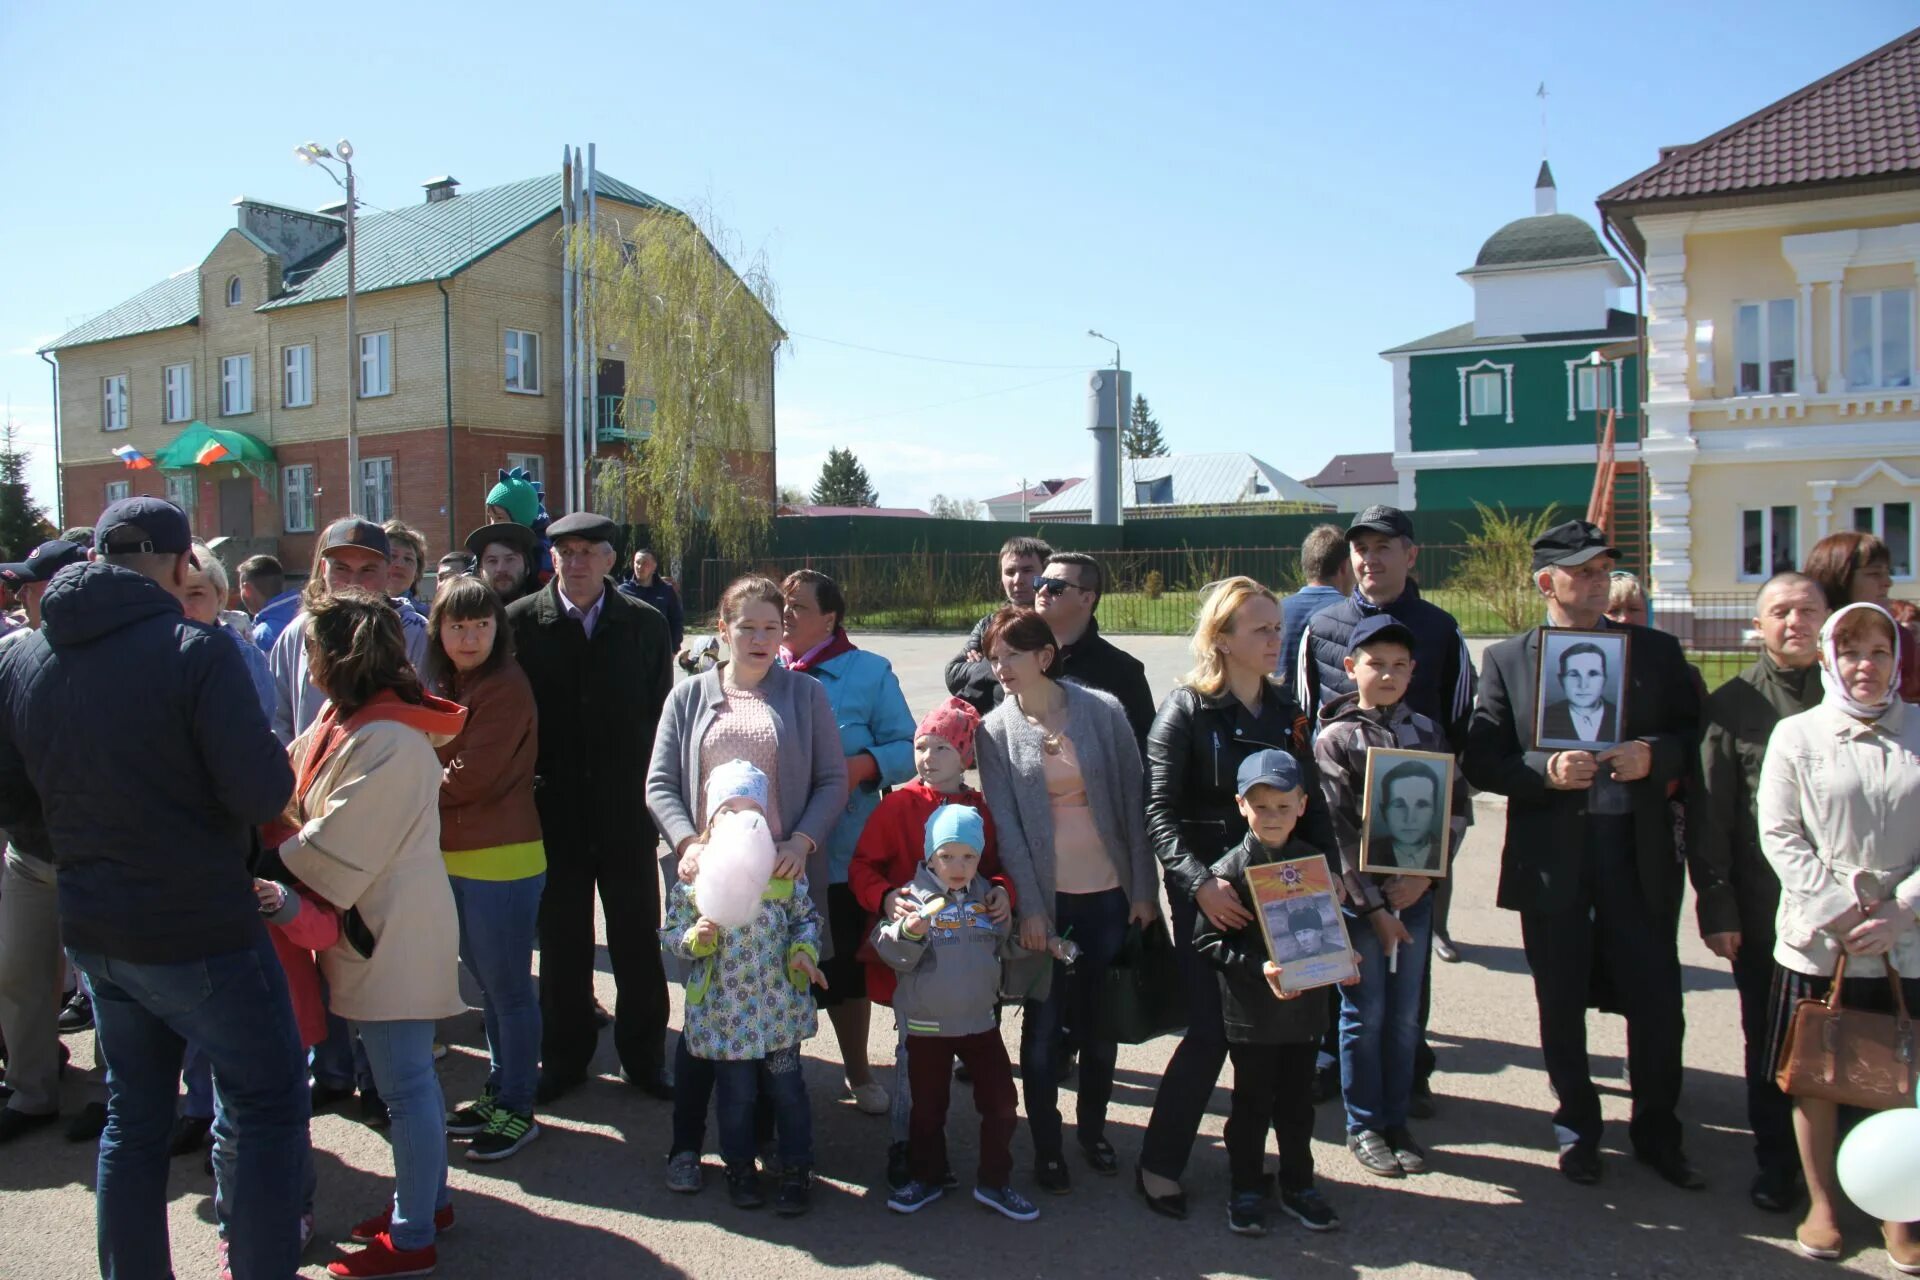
x,y
29,577
1571,545
1391,521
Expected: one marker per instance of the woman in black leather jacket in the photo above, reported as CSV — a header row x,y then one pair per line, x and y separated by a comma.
x,y
1228,707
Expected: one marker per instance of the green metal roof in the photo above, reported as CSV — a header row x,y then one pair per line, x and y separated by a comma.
x,y
426,242
1620,324
1551,239
174,301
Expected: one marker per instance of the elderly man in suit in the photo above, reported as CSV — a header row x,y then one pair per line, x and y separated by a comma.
x,y
1589,859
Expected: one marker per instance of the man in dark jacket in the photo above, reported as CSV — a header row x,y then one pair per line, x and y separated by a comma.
x,y
600,665
134,737
1067,595
1589,860
969,674
647,586
1738,891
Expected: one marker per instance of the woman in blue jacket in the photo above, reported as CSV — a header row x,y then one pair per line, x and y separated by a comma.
x,y
876,736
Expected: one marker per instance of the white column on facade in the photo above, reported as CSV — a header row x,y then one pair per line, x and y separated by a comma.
x,y
1463,396
1803,380
1667,447
1822,509
1403,430
1834,383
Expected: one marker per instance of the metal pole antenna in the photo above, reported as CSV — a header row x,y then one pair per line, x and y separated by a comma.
x,y
355,483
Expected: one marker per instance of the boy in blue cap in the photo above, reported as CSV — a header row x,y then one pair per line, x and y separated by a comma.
x,y
1273,1036
949,953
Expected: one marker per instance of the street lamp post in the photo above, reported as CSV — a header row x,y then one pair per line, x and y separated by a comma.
x,y
1119,433
314,154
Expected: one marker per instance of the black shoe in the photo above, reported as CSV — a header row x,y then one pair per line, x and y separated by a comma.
x,y
1051,1176
77,1015
1100,1155
86,1126
1326,1083
16,1124
1420,1101
1247,1214
1310,1209
189,1135
743,1187
1171,1206
324,1096
1444,948
899,1166
1580,1162
1671,1163
655,1083
795,1196
1775,1190
373,1110
551,1088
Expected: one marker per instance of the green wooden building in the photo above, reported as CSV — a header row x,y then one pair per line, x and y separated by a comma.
x,y
1506,407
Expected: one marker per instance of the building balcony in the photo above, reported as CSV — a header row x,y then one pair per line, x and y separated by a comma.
x,y
614,424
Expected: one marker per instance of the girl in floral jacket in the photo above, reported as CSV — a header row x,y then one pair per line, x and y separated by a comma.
x,y
749,1001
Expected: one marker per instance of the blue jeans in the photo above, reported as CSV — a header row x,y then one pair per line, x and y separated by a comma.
x,y
401,1055
1097,922
197,1074
497,919
1380,1022
340,1061
738,1087
235,1007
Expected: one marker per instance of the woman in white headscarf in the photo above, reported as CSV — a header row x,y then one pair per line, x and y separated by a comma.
x,y
1839,809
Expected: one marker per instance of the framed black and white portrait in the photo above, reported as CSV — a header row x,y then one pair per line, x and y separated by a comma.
x,y
1408,804
1579,694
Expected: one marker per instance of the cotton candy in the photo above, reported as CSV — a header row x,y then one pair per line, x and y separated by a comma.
x,y
734,870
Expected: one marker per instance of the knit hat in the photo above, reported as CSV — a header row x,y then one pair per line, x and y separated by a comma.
x,y
957,722
735,778
953,823
517,496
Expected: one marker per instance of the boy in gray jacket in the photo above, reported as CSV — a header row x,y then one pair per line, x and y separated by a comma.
x,y
949,952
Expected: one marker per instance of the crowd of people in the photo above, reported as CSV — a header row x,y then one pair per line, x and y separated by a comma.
x,y
263,842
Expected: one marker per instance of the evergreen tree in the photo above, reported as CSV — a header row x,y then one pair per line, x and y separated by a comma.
x,y
1141,438
844,482
23,525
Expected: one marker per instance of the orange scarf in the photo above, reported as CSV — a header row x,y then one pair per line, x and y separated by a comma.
x,y
330,733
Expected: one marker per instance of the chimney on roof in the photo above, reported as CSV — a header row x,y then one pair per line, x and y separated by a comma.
x,y
441,188
1544,192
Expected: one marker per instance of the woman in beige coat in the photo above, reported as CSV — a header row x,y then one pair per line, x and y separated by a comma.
x,y
1839,806
367,809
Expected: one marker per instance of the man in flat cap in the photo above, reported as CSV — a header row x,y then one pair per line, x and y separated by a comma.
x,y
1589,861
600,665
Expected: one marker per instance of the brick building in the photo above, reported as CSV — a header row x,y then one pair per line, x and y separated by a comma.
x,y
457,370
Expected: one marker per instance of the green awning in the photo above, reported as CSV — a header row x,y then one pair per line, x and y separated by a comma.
x,y
189,448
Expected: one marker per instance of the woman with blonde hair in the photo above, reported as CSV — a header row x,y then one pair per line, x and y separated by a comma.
x,y
1225,709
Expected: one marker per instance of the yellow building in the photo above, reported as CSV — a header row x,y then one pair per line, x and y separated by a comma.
x,y
1780,259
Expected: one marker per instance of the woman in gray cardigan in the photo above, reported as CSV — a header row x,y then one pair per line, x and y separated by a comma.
x,y
752,709
1062,776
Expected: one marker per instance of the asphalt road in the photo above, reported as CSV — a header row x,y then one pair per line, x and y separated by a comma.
x,y
587,1200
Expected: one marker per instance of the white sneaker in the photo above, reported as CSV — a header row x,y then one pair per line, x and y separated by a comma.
x,y
871,1098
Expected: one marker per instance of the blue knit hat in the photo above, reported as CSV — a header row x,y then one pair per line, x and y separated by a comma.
x,y
735,778
953,823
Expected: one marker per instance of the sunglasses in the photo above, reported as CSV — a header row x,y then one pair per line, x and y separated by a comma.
x,y
1054,586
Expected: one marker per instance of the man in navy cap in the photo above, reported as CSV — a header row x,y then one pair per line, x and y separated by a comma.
x,y
1589,861
133,748
601,666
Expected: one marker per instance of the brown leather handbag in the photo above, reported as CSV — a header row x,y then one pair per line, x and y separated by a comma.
x,y
1849,1056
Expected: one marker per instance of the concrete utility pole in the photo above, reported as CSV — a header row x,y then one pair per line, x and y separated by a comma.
x,y
313,153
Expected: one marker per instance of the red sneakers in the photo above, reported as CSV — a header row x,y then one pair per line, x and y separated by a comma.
x,y
381,1259
372,1227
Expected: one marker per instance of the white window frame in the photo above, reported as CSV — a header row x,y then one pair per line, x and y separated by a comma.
x,y
1578,404
117,490
1767,531
372,472
1763,307
376,357
1506,388
297,497
534,464
1879,530
182,492
236,385
113,402
234,294
176,393
1877,305
514,348
287,387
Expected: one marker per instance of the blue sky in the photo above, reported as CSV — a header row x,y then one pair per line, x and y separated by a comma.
x,y
1252,199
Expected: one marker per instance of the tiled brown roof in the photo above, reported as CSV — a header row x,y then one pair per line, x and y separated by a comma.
x,y
1861,122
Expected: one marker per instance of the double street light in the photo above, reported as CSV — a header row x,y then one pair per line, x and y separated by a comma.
x,y
312,153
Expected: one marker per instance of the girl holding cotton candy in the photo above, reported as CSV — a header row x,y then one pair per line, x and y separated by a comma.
x,y
753,941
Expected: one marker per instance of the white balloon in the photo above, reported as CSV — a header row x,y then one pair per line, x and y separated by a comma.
x,y
1879,1165
734,870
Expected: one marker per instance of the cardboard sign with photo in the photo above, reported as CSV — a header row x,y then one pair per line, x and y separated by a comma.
x,y
1578,698
1300,915
1408,804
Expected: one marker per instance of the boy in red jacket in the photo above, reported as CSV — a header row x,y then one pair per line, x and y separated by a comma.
x,y
889,853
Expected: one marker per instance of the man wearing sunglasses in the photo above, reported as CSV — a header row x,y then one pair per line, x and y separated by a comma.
x,y
1066,595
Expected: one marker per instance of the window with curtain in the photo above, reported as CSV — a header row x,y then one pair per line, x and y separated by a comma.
x,y
1879,339
1769,542
1764,343
1486,394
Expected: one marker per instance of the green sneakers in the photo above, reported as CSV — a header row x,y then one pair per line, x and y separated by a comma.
x,y
506,1133
471,1120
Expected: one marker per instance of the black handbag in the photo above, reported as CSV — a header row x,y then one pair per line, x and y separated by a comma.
x,y
1143,996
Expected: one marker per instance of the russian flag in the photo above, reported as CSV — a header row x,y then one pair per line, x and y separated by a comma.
x,y
133,457
211,451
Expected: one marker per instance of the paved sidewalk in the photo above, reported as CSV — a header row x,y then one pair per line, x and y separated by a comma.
x,y
588,1201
